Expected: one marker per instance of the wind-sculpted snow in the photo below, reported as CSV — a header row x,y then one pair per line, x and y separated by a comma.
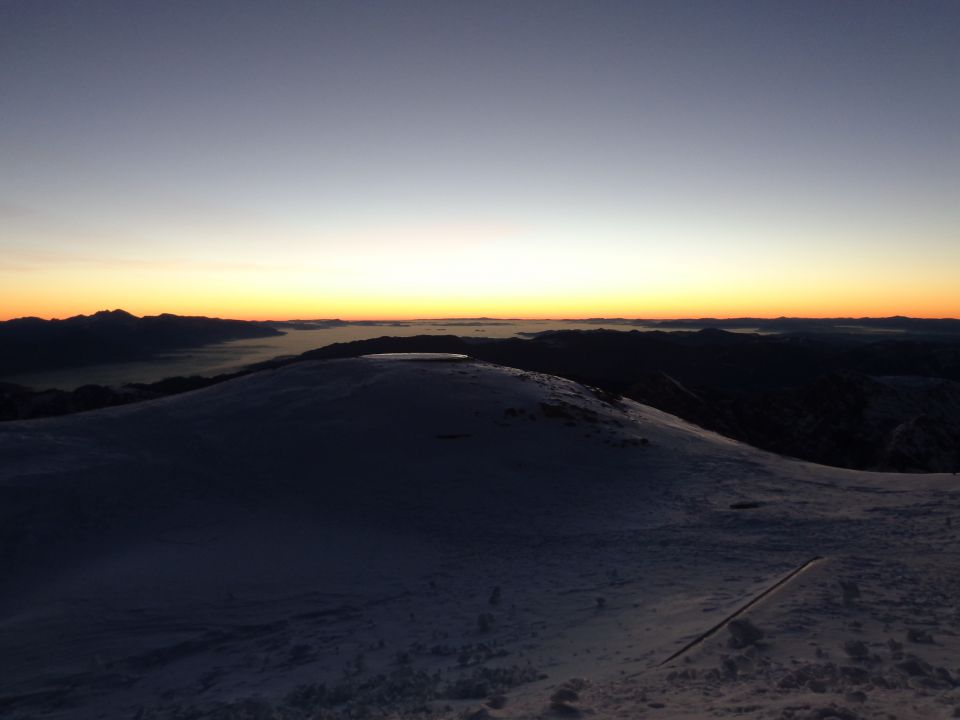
x,y
400,535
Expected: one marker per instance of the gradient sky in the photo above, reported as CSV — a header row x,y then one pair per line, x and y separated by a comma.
x,y
541,159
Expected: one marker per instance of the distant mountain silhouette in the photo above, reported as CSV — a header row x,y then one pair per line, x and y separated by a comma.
x,y
31,344
844,326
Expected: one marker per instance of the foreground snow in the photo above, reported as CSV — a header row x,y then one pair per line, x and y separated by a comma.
x,y
391,535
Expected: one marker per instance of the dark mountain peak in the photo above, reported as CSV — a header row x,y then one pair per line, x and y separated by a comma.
x,y
106,318
29,320
113,316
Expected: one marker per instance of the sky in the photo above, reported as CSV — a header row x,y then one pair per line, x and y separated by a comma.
x,y
366,159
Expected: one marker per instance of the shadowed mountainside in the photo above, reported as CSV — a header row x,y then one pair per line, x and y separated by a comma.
x,y
838,400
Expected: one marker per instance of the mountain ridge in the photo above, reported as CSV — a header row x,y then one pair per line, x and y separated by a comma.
x,y
31,344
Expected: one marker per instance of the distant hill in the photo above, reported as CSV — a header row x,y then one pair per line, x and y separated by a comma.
x,y
31,344
872,403
864,401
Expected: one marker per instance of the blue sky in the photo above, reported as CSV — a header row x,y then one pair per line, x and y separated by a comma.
x,y
411,158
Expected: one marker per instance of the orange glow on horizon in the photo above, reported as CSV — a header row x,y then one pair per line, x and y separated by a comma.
x,y
495,309
504,283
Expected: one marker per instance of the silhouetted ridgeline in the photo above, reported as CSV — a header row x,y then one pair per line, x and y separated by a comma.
x,y
32,344
734,362
850,401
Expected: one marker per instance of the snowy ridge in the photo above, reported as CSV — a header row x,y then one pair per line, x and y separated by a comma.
x,y
402,534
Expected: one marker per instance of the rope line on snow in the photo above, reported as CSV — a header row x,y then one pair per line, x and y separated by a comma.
x,y
742,609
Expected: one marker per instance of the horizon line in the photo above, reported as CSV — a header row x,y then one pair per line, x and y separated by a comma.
x,y
593,318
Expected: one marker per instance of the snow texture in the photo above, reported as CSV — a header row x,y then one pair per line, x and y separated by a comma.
x,y
456,539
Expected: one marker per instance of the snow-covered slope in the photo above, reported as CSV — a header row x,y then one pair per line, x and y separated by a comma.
x,y
423,533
